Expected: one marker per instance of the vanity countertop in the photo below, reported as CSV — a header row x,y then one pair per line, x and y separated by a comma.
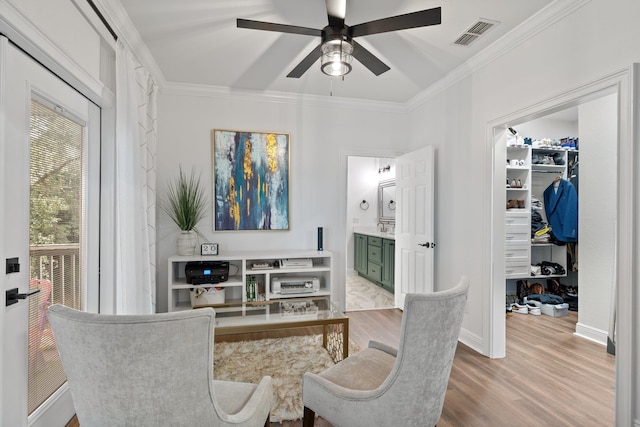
x,y
375,233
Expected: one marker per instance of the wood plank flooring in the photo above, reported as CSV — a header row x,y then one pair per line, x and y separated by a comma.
x,y
550,377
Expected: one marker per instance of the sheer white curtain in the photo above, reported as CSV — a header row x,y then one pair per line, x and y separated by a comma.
x,y
134,186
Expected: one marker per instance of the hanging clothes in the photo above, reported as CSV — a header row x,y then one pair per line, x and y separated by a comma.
x,y
561,207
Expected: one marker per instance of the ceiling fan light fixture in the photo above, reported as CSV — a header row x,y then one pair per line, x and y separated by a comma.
x,y
336,57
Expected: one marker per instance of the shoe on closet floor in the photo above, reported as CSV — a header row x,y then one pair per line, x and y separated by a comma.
x,y
518,308
509,312
534,310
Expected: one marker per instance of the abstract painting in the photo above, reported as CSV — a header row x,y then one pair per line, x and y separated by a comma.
x,y
250,180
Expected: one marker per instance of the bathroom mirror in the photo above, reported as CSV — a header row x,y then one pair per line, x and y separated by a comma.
x,y
387,201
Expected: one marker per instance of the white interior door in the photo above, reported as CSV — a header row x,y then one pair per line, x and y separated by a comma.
x,y
414,223
26,86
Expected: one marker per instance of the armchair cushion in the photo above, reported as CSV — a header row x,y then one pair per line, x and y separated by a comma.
x,y
365,370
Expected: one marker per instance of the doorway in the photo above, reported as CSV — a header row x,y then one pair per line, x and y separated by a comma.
x,y
617,145
364,174
586,165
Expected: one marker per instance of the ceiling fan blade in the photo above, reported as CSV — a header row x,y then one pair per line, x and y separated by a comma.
x,y
336,11
368,59
307,62
422,18
282,28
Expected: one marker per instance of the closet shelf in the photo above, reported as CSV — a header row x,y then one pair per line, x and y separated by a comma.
x,y
545,168
548,276
535,178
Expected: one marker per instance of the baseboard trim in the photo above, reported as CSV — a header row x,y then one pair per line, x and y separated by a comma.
x,y
592,334
57,410
471,340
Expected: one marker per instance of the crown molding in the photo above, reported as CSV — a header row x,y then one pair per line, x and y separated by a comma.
x,y
209,91
114,13
537,23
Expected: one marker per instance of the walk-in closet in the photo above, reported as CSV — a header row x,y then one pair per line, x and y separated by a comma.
x,y
561,194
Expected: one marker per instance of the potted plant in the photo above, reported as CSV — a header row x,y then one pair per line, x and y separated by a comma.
x,y
186,205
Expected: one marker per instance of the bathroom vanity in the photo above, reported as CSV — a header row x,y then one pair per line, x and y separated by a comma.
x,y
374,257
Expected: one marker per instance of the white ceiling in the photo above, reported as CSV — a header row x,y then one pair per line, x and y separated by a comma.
x,y
197,42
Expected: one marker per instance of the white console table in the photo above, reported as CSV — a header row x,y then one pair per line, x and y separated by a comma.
x,y
241,267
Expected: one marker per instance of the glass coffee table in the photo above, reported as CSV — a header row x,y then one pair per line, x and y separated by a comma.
x,y
255,316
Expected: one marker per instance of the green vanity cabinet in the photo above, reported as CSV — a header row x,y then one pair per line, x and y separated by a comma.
x,y
374,259
388,260
360,254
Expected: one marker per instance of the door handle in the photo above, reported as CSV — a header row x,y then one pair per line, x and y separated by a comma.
x,y
427,245
13,296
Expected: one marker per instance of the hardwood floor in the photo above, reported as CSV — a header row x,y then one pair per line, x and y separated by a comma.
x,y
550,377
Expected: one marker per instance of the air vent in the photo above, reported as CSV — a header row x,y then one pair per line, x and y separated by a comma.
x,y
466,39
476,30
480,27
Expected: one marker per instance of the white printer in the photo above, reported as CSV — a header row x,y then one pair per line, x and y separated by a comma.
x,y
294,284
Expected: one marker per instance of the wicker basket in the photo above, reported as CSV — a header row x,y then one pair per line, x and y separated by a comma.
x,y
206,296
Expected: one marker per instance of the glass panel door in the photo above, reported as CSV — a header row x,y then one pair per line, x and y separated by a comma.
x,y
57,153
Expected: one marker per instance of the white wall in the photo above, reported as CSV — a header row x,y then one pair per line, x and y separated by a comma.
x,y
321,132
67,37
75,36
546,127
362,184
597,215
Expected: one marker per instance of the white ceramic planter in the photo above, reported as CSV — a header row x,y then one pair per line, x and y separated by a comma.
x,y
187,241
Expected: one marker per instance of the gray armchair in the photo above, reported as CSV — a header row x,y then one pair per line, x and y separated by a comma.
x,y
151,370
382,386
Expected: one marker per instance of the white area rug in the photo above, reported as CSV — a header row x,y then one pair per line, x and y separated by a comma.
x,y
284,359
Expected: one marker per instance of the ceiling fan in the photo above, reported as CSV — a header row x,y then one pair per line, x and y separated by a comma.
x,y
338,46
